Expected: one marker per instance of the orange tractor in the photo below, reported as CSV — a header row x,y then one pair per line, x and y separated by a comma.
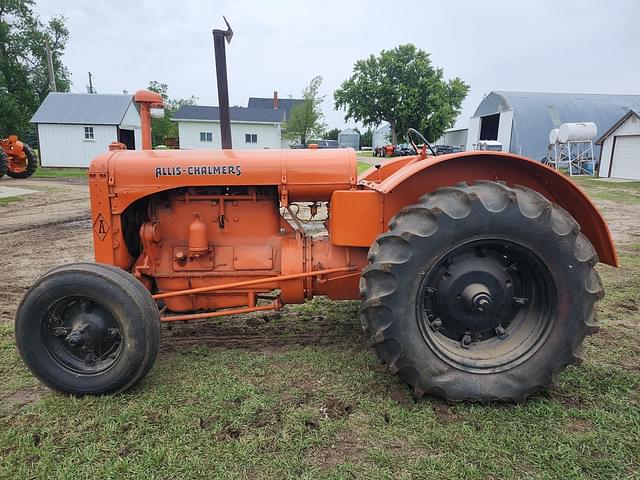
x,y
475,269
16,158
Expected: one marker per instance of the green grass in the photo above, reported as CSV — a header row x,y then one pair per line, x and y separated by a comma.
x,y
54,172
8,200
362,166
327,409
626,192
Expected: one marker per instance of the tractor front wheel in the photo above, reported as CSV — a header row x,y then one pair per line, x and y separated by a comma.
x,y
480,293
30,168
88,329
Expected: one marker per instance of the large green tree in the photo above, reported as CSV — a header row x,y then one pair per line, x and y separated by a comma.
x,y
401,87
305,119
331,134
24,81
163,128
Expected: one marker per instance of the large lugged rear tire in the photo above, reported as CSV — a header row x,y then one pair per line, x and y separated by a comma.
x,y
3,163
32,165
88,328
480,293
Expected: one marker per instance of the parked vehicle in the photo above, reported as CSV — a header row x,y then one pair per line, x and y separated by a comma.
x,y
17,160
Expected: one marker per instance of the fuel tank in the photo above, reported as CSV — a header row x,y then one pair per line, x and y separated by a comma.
x,y
300,175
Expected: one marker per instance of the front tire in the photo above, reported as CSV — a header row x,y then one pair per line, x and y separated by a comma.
x,y
32,165
88,328
480,293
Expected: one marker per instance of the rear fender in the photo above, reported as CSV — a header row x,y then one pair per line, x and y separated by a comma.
x,y
406,185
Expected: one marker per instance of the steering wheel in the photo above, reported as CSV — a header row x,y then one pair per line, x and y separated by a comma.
x,y
424,141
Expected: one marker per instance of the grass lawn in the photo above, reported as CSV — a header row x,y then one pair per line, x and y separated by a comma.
x,y
289,408
55,172
362,166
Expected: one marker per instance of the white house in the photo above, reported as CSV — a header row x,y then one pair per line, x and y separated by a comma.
x,y
257,126
620,152
73,128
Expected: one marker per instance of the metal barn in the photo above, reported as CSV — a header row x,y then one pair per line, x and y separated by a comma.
x,y
349,138
521,121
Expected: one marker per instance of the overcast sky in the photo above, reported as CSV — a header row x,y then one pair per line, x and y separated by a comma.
x,y
585,46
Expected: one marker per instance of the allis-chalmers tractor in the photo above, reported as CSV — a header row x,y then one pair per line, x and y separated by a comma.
x,y
475,269
16,158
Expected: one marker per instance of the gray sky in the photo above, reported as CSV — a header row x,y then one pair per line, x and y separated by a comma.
x,y
585,46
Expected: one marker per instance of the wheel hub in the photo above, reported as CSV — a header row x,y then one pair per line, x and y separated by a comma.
x,y
471,295
83,336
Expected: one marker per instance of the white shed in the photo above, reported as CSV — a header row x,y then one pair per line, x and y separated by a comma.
x,y
620,148
74,128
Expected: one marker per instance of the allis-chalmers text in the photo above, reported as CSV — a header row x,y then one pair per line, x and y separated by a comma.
x,y
195,170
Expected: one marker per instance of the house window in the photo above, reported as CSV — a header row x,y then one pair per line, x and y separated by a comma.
x,y
206,137
250,138
88,133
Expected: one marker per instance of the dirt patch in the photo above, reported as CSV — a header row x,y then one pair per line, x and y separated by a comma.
x,y
44,230
27,395
580,425
252,333
623,220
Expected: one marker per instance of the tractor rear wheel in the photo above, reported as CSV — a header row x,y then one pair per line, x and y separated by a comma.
x,y
480,293
4,161
88,328
32,165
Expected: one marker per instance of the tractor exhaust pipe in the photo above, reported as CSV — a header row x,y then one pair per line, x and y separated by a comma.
x,y
219,36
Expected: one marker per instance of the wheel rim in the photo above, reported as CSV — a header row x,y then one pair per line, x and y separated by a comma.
x,y
487,305
81,335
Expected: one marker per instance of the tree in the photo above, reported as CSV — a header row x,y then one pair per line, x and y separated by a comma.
x,y
401,87
366,138
331,134
163,128
24,80
305,119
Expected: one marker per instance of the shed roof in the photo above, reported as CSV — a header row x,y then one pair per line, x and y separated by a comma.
x,y
614,127
285,104
535,114
237,114
82,108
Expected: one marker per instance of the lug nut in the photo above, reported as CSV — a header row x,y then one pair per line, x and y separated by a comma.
x,y
466,341
500,332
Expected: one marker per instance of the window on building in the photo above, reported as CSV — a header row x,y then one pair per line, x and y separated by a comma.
x,y
88,133
250,138
206,137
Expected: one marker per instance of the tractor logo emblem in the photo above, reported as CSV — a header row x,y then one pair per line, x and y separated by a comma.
x,y
100,226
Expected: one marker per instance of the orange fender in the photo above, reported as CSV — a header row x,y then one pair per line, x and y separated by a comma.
x,y
403,182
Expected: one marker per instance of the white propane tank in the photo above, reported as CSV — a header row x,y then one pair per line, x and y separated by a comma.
x,y
553,136
577,132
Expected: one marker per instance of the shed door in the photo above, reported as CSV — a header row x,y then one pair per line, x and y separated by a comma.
x,y
626,157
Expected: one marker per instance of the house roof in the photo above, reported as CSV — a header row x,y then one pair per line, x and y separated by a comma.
x,y
285,104
82,108
614,127
535,114
237,114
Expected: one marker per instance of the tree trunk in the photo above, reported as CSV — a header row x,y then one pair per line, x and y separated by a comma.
x,y
394,134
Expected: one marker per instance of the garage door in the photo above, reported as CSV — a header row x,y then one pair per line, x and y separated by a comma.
x,y
626,157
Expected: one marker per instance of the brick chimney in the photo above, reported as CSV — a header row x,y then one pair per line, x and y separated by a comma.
x,y
275,100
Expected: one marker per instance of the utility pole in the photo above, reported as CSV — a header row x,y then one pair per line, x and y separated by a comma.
x,y
52,77
90,87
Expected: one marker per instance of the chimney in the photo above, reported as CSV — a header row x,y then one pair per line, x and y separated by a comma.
x,y
275,100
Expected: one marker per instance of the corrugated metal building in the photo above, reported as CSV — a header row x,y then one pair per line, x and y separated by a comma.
x,y
382,136
74,128
349,138
521,121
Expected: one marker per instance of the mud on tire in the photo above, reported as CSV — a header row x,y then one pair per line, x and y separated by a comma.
x,y
480,293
